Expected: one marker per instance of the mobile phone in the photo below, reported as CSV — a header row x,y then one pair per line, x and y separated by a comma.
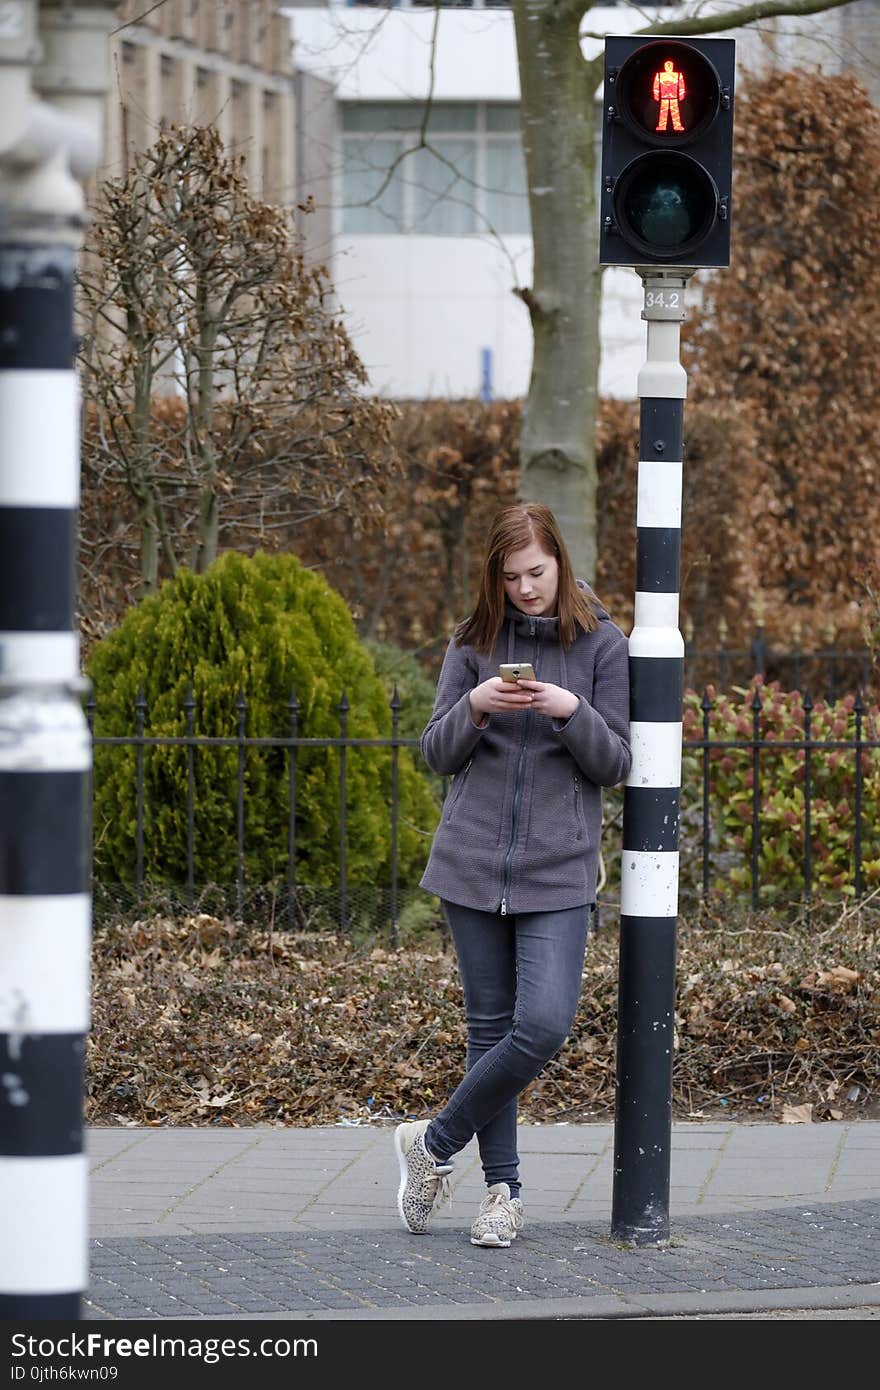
x,y
517,670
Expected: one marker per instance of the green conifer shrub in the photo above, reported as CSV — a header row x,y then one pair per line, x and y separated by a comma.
x,y
402,670
262,625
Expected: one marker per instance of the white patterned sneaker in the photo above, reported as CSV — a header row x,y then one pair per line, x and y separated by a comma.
x,y
501,1216
424,1184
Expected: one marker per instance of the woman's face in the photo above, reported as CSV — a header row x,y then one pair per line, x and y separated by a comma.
x,y
531,580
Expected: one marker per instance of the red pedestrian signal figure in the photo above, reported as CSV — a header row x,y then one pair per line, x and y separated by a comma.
x,y
669,90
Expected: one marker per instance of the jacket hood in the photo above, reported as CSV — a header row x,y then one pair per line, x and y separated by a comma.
x,y
548,627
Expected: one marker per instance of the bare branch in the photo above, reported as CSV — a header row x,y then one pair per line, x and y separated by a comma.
x,y
138,18
744,15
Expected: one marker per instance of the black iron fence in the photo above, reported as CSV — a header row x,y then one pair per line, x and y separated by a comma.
x,y
796,802
244,745
782,806
834,671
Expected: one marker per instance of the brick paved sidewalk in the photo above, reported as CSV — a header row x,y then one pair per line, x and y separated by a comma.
x,y
273,1223
557,1269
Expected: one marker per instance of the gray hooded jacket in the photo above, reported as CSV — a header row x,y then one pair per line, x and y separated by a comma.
x,y
521,824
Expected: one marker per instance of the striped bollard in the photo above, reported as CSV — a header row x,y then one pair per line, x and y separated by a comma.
x,y
649,863
45,761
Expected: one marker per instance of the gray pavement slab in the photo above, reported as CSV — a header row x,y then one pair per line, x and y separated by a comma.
x,y
272,1223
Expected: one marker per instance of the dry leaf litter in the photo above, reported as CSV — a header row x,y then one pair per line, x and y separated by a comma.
x,y
203,1021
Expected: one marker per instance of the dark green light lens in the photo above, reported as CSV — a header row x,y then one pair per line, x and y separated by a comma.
x,y
665,203
661,214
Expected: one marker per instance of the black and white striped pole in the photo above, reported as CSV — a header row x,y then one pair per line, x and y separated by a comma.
x,y
665,211
649,863
47,148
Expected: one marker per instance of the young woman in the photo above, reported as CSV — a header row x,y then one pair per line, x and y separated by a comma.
x,y
515,856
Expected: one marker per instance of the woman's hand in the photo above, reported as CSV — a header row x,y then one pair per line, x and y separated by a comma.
x,y
553,700
496,696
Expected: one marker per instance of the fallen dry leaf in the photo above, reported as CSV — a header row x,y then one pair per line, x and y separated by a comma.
x,y
797,1114
840,978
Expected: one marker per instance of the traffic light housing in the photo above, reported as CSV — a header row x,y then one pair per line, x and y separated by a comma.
x,y
667,152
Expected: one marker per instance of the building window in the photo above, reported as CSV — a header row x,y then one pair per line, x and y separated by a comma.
x,y
471,178
507,203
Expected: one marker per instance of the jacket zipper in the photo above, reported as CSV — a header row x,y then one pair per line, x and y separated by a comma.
x,y
517,788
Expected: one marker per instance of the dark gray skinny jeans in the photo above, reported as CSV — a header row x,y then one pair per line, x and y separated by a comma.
x,y
521,977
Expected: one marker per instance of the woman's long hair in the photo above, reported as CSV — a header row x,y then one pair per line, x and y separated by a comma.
x,y
513,529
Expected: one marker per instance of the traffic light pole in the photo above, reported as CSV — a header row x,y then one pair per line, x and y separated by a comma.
x,y
52,84
649,863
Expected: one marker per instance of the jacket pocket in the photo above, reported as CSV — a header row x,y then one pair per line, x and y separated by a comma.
x,y
579,811
457,788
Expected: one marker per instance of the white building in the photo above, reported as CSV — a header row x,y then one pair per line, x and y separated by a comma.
x,y
425,251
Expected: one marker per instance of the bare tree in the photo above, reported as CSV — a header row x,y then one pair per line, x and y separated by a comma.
x,y
218,382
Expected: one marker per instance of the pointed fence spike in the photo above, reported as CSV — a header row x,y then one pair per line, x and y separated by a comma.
x,y
395,698
705,703
293,702
343,704
858,703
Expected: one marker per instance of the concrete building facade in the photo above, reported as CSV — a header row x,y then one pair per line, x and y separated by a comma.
x,y
223,62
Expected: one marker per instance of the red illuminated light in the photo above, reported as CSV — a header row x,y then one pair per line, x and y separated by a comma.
x,y
669,90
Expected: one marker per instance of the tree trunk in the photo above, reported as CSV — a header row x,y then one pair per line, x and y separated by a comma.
x,y
464,557
149,544
558,89
208,525
141,456
207,532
